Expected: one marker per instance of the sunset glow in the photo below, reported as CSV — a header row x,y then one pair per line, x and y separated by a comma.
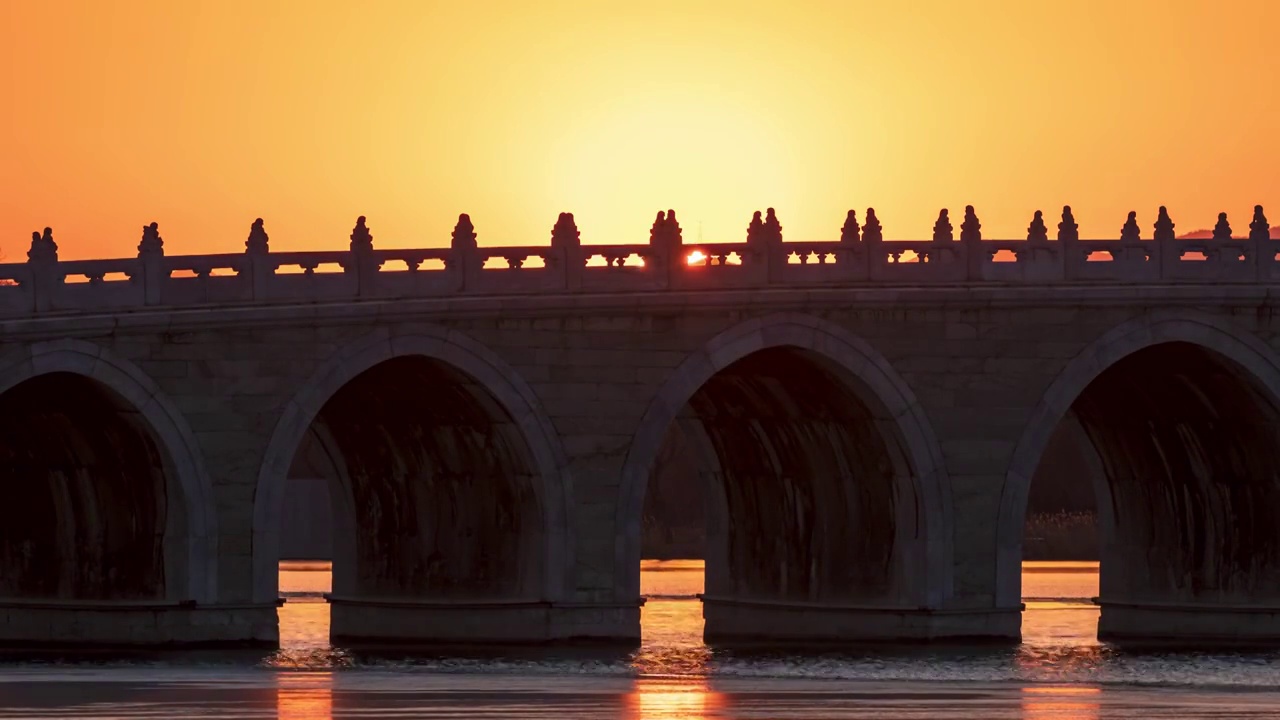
x,y
204,115
669,699
304,696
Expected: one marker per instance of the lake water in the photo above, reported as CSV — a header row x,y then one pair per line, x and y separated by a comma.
x,y
1059,671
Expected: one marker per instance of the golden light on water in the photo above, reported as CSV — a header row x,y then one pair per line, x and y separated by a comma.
x,y
1059,629
669,699
304,696
1061,701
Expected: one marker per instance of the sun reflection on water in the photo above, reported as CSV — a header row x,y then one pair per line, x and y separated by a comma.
x,y
1059,631
1059,702
304,695
672,698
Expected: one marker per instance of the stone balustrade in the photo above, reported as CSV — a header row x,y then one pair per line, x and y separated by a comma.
x,y
45,284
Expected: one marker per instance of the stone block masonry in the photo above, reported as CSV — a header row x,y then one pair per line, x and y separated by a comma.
x,y
867,429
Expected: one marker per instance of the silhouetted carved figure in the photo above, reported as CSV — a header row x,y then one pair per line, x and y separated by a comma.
x,y
871,231
464,234
1130,232
674,234
1222,231
565,232
361,238
1259,229
970,229
43,248
658,232
850,232
1164,225
772,228
1068,229
1036,231
257,242
151,243
755,230
942,228
666,234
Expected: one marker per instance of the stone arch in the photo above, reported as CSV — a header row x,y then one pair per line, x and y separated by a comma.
x,y
457,351
880,385
184,469
1155,328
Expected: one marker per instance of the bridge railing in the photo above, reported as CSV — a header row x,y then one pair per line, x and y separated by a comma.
x,y
46,284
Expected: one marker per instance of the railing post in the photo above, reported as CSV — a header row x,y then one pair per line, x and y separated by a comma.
x,y
1132,245
971,238
1069,238
362,263
851,263
257,250
873,239
944,244
667,240
1165,245
465,260
766,247
151,255
1216,260
566,249
43,260
1042,262
1262,247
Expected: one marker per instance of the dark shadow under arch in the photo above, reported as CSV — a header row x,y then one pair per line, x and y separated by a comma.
x,y
1189,447
826,482
85,496
425,377
436,482
807,480
1179,421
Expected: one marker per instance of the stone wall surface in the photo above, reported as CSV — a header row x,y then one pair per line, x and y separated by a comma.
x,y
967,382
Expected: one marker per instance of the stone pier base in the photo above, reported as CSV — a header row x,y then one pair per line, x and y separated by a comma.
x,y
731,620
135,624
1199,625
405,621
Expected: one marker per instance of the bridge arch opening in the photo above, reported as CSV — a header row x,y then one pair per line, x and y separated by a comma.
x,y
817,482
1176,434
91,509
442,487
438,480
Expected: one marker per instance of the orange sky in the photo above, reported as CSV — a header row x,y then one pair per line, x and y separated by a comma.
x,y
205,115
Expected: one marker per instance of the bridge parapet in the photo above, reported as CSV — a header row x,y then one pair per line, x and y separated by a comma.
x,y
861,256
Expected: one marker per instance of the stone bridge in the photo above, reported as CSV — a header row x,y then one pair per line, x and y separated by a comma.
x,y
867,416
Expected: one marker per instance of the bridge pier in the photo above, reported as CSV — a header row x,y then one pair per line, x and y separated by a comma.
x,y
1190,625
122,624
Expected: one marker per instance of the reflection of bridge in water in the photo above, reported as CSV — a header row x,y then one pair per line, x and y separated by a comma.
x,y
867,430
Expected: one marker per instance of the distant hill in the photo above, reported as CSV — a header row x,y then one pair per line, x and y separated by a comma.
x,y
1207,234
